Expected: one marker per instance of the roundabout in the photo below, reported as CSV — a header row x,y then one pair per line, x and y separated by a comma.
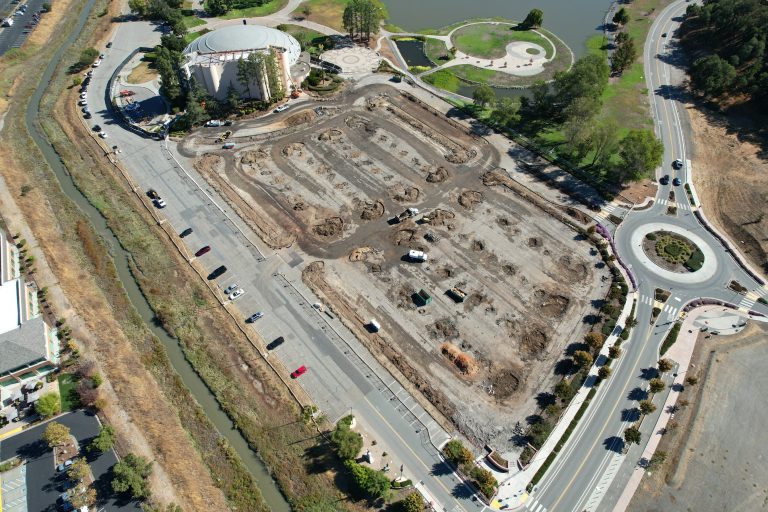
x,y
673,249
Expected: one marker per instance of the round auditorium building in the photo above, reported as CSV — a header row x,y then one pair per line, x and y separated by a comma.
x,y
254,60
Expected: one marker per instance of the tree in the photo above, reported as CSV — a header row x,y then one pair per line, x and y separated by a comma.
x,y
104,441
712,75
164,62
456,452
564,391
374,483
614,352
583,358
691,380
656,385
632,435
79,470
595,340
82,496
249,70
138,7
588,78
348,442
604,372
48,405
640,153
413,502
539,432
56,434
647,407
216,7
485,480
505,111
665,365
483,95
621,17
658,458
130,475
534,19
624,55
195,113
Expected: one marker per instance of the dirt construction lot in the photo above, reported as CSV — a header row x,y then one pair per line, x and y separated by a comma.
x,y
716,454
332,183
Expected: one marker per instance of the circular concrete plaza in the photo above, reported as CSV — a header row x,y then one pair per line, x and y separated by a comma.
x,y
706,272
353,60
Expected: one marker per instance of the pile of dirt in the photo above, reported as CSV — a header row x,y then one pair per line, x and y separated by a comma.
x,y
505,382
470,198
534,343
209,163
360,254
573,271
293,149
438,217
579,215
329,227
403,236
376,102
404,194
466,364
444,328
437,175
301,118
505,222
509,269
359,123
299,206
551,305
251,157
535,242
331,134
473,300
478,245
371,210
402,296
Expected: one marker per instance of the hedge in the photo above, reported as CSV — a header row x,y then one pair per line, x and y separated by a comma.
x,y
670,339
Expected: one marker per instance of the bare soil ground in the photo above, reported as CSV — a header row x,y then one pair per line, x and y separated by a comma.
x,y
142,73
334,186
716,459
731,178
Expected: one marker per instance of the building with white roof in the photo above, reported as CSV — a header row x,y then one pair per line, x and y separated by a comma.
x,y
213,61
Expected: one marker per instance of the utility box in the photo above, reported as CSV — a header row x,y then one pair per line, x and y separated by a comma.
x,y
422,298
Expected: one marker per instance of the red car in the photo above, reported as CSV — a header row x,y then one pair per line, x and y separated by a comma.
x,y
204,250
301,370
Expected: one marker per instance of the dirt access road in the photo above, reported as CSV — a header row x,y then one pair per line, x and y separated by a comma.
x,y
331,184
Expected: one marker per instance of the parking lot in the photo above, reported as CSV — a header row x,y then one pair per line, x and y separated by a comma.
x,y
23,24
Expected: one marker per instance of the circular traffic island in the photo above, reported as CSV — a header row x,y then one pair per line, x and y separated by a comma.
x,y
673,252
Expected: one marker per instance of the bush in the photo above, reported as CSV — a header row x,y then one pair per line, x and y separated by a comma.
x,y
131,474
87,56
348,442
48,405
670,339
539,432
564,391
374,484
46,7
484,480
650,236
411,503
456,452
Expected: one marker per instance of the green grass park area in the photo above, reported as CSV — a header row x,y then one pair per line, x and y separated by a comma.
x,y
443,79
68,392
490,40
265,9
310,40
436,51
191,36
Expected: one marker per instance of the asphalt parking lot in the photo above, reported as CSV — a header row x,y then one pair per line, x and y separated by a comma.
x,y
14,37
42,482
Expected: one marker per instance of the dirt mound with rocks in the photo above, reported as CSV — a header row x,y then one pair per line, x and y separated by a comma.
x,y
293,149
534,343
470,198
210,163
438,217
403,236
372,210
404,194
251,157
329,227
360,254
551,305
573,271
444,328
437,175
301,118
535,242
331,134
505,382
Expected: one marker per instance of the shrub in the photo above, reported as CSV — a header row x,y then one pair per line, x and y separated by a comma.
x,y
614,352
348,442
595,340
87,56
456,452
411,503
564,391
657,385
604,372
373,483
131,474
539,432
104,441
46,7
48,405
651,236
484,480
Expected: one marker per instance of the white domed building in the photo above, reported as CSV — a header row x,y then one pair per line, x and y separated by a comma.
x,y
213,60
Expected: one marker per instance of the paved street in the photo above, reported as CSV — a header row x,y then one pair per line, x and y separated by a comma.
x,y
41,479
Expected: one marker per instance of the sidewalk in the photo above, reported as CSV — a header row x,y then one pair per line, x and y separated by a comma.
x,y
681,353
512,488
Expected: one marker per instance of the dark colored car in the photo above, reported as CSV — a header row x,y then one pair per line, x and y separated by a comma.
x,y
276,343
109,44
87,115
677,164
298,372
186,232
96,128
203,250
152,194
664,179
676,182
216,273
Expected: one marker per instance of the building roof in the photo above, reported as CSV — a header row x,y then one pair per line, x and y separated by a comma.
x,y
236,38
23,346
10,305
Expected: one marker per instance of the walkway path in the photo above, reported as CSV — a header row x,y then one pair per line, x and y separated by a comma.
x,y
283,16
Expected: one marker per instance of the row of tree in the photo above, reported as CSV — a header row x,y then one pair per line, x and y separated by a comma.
x,y
362,17
729,37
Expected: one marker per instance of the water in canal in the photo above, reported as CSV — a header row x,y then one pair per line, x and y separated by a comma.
x,y
191,380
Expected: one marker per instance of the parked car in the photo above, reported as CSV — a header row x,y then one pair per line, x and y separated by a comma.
x,y
97,64
152,194
186,232
228,145
664,179
664,34
109,44
282,108
203,250
83,102
97,128
298,372
229,289
87,115
677,164
83,95
254,317
275,343
217,272
103,135
213,123
159,202
235,294
65,465
676,182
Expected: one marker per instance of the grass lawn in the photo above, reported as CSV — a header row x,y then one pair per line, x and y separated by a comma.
x,y
69,399
443,80
490,41
325,12
191,36
436,51
142,73
266,9
192,21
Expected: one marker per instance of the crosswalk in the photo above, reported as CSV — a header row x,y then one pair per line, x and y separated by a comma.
x,y
748,302
535,506
668,308
679,206
612,209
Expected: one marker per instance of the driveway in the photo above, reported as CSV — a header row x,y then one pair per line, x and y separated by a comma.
x,y
42,481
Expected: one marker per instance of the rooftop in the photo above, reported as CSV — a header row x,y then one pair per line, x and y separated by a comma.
x,y
23,346
236,38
